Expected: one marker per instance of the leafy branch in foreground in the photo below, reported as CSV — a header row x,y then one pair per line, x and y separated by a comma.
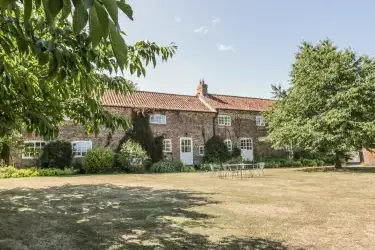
x,y
55,56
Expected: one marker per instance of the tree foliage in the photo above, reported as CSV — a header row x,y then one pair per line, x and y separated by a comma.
x,y
330,105
56,58
215,150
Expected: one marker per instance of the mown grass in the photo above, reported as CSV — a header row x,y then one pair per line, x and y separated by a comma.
x,y
288,209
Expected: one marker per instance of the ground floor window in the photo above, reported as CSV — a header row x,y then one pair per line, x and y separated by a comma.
x,y
32,149
201,150
167,145
80,148
229,145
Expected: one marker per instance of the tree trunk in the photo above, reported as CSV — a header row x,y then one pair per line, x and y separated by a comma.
x,y
338,163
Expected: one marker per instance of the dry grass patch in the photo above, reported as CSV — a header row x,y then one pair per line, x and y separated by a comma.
x,y
288,209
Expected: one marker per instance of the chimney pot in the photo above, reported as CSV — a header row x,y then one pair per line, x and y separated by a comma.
x,y
202,88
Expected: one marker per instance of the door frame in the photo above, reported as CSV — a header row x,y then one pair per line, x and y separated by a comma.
x,y
252,146
192,149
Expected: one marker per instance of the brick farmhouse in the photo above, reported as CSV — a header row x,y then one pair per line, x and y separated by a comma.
x,y
186,122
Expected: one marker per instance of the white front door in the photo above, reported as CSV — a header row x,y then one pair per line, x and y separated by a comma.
x,y
246,146
186,150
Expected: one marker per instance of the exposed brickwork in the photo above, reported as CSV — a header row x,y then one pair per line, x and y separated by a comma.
x,y
369,157
244,126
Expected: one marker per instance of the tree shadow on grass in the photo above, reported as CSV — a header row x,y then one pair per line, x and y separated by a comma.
x,y
108,217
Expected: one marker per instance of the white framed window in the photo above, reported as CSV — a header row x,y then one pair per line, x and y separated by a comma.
x,y
229,144
262,139
259,120
246,143
158,119
224,120
201,150
80,148
32,149
167,145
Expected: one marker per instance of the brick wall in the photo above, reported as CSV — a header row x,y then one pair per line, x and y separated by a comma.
x,y
244,126
197,125
368,157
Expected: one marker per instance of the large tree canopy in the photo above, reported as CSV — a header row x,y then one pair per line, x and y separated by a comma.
x,y
330,104
57,58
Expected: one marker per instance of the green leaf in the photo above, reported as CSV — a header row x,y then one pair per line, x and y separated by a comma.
x,y
27,8
103,18
54,7
95,28
22,45
80,18
126,8
43,58
4,3
37,4
118,46
67,8
112,9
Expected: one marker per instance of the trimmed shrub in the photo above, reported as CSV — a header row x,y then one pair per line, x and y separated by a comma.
x,y
12,172
167,166
234,160
78,164
132,157
56,154
215,150
157,149
186,168
98,160
236,152
204,167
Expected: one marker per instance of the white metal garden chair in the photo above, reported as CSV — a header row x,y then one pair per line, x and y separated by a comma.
x,y
260,168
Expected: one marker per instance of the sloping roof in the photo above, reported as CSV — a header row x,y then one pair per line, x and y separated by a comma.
x,y
237,102
153,100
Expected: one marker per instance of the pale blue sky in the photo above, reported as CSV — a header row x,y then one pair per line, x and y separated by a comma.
x,y
258,39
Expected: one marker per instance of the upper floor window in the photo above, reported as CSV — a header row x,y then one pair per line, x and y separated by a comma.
x,y
260,121
158,119
224,120
32,149
229,144
201,150
167,145
80,148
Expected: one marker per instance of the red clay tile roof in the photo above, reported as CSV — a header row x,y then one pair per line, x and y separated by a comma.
x,y
237,102
153,100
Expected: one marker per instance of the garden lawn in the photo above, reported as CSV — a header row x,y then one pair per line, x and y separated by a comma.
x,y
288,209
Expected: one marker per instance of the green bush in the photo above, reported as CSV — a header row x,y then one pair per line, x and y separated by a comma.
x,y
132,157
186,168
167,166
215,150
57,154
98,160
55,172
236,152
205,167
234,160
278,162
78,164
12,172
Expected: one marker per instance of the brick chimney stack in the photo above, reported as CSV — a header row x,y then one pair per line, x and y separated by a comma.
x,y
202,88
